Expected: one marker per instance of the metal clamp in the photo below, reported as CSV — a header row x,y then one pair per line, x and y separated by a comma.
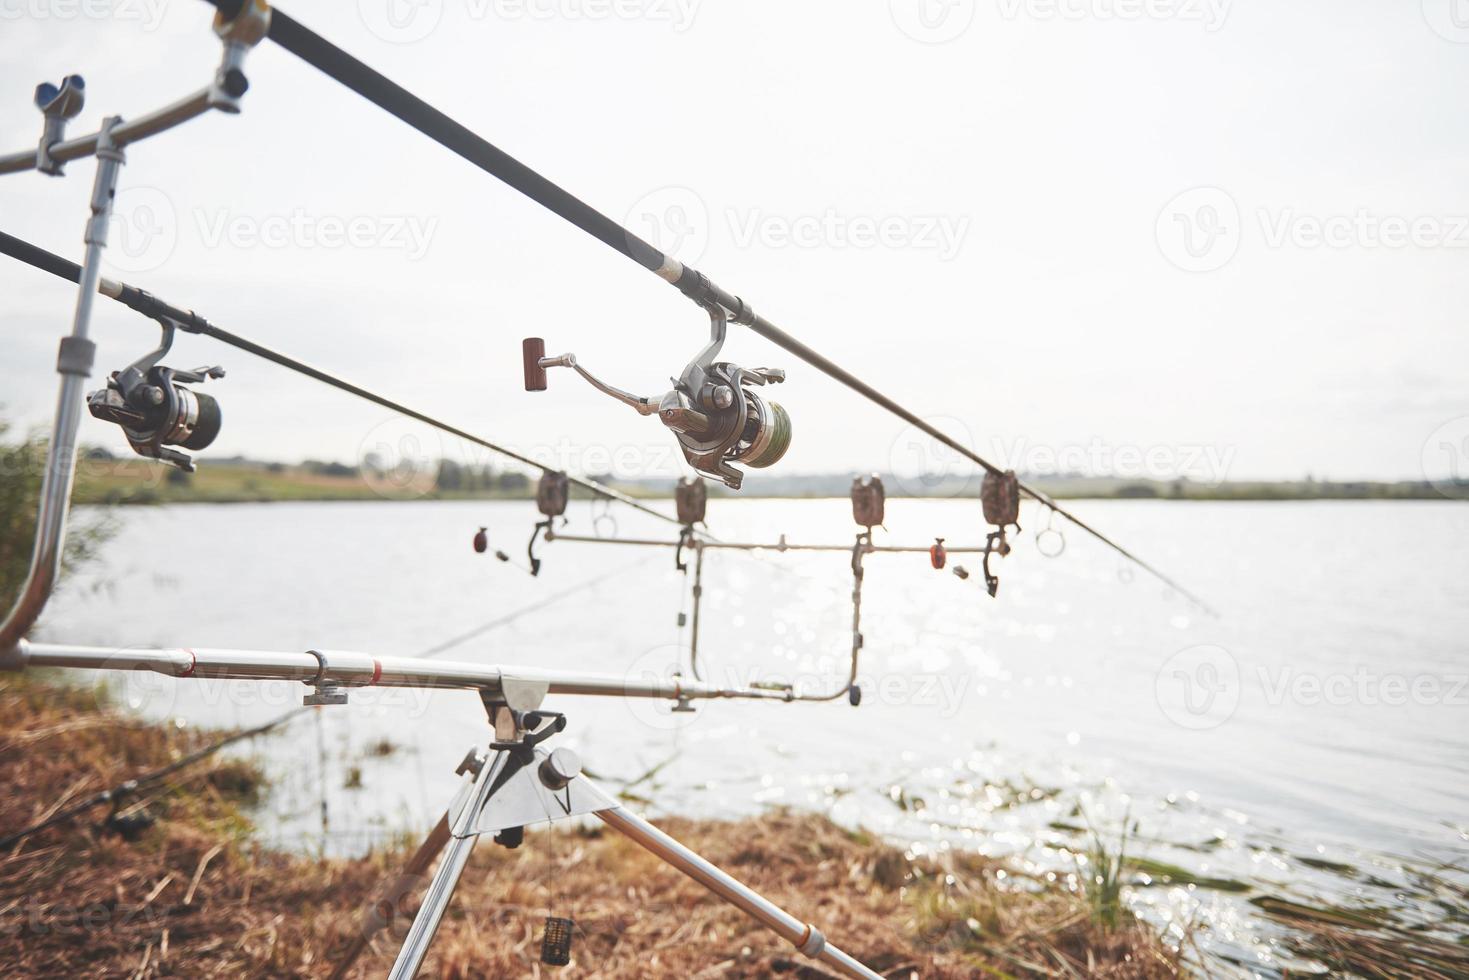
x,y
323,692
59,104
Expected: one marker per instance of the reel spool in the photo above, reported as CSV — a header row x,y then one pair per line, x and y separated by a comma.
x,y
153,408
869,501
713,408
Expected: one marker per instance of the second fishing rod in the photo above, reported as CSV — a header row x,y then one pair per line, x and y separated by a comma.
x,y
709,448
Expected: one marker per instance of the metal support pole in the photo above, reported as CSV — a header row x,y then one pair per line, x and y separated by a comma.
x,y
806,938
698,595
74,363
462,838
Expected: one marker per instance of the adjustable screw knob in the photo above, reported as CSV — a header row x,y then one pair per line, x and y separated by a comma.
x,y
559,768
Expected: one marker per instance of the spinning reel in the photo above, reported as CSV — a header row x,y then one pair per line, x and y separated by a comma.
x,y
154,409
713,408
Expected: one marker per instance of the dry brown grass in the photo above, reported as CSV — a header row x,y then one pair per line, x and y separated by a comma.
x,y
193,897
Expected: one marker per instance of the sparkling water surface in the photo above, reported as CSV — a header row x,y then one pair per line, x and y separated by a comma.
x,y
1309,742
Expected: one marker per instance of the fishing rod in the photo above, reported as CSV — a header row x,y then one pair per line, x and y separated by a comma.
x,y
377,88
186,320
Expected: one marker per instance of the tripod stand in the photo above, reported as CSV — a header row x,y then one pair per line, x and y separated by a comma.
x,y
517,783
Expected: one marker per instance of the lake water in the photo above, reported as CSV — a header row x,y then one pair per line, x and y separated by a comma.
x,y
1319,720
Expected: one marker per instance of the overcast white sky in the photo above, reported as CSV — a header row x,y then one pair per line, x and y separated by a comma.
x,y
975,205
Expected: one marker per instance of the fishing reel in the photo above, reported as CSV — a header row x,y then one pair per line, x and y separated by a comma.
x,y
154,408
713,408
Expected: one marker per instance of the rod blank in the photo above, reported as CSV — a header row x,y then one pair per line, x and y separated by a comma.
x,y
149,305
377,88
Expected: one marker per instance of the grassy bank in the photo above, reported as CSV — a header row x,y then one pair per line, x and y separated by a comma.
x,y
191,895
130,480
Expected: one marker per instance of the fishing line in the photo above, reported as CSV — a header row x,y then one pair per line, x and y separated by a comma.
x,y
188,321
431,122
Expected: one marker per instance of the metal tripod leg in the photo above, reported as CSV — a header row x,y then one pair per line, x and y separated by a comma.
x,y
806,938
385,908
463,835
525,785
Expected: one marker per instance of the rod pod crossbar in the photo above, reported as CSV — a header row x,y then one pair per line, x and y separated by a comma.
x,y
859,550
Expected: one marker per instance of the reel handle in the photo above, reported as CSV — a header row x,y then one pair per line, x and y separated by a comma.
x,y
533,349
